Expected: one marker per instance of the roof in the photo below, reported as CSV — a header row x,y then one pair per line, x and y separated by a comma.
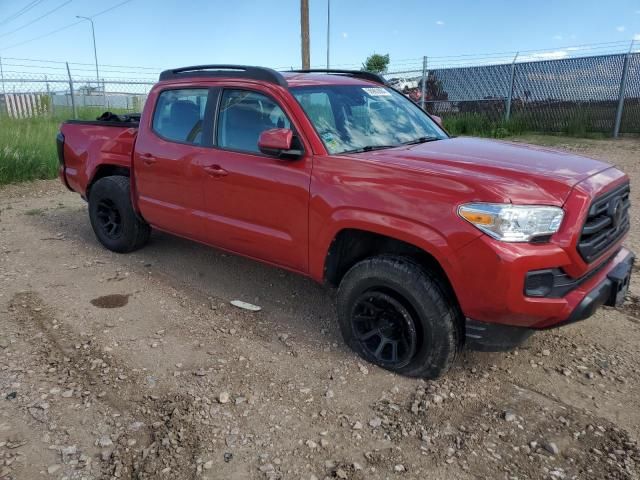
x,y
293,78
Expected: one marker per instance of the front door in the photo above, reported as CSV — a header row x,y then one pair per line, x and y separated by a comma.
x,y
255,204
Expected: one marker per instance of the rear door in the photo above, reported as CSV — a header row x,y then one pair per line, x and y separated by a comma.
x,y
167,156
255,204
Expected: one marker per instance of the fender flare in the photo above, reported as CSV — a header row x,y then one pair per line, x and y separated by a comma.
x,y
409,231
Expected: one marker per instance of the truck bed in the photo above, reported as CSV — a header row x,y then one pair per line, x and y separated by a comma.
x,y
83,145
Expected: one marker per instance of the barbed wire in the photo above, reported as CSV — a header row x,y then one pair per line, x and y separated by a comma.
x,y
522,56
82,72
62,63
401,66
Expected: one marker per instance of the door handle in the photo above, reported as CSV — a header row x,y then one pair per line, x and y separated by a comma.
x,y
148,159
216,171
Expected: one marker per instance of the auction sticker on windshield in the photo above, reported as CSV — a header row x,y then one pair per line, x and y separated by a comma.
x,y
376,92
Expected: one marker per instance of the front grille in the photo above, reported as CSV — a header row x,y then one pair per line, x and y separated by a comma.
x,y
607,221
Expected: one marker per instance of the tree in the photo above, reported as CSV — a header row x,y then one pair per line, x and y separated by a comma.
x,y
376,63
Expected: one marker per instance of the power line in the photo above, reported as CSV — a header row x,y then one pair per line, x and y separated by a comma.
x,y
35,20
61,70
136,67
44,35
66,26
21,12
401,66
109,9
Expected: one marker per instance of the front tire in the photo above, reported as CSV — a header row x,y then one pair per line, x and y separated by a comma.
x,y
113,219
397,315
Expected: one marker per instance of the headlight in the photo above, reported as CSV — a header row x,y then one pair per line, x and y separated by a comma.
x,y
512,223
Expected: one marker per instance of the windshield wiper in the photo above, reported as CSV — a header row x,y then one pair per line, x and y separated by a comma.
x,y
369,148
421,140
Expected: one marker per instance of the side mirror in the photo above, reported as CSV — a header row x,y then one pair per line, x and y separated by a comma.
x,y
277,142
437,119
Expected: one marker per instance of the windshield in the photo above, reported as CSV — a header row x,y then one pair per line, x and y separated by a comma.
x,y
355,118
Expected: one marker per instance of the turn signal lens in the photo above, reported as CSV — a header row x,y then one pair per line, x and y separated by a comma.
x,y
477,218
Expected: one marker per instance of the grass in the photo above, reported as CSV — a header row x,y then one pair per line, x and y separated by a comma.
x,y
27,149
28,145
479,125
34,212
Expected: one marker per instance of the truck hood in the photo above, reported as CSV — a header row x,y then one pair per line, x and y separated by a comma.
x,y
513,172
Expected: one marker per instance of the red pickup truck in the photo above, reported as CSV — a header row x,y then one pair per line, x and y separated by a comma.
x,y
434,242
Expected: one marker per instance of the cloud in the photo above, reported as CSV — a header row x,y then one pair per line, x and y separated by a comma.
x,y
621,28
636,37
553,55
440,22
345,35
558,37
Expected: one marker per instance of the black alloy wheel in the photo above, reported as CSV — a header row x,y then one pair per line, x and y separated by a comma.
x,y
385,329
395,313
109,219
113,219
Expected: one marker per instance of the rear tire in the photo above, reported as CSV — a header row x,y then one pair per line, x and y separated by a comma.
x,y
113,219
397,315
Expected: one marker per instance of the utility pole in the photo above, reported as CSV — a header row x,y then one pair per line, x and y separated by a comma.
x,y
328,30
95,52
304,33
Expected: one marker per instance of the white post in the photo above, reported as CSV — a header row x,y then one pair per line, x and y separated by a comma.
x,y
4,91
507,114
73,99
424,82
622,92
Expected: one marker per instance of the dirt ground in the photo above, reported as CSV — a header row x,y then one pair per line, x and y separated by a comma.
x,y
137,366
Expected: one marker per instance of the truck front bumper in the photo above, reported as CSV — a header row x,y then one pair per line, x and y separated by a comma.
x,y
607,287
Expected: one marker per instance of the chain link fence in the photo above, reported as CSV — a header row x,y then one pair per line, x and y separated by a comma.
x,y
598,93
24,95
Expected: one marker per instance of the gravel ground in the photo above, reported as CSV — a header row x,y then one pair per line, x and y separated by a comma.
x,y
137,366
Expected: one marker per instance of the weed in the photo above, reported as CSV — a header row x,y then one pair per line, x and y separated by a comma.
x,y
28,146
578,124
34,211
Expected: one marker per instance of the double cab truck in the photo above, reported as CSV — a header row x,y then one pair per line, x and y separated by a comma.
x,y
433,242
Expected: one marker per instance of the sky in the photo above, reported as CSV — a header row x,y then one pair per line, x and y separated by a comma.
x,y
165,34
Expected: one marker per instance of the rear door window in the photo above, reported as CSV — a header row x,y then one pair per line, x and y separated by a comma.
x,y
179,115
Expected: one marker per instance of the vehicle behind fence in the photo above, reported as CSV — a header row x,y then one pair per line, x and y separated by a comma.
x,y
578,95
571,95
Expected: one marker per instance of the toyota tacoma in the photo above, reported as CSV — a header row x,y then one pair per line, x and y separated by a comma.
x,y
433,242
